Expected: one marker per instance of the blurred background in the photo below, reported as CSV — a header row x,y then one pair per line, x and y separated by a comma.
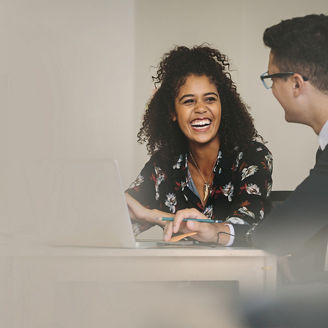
x,y
75,76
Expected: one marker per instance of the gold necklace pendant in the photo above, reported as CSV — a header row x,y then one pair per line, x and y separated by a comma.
x,y
207,186
207,190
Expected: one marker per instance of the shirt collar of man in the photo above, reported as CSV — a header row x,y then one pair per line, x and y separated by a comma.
x,y
323,136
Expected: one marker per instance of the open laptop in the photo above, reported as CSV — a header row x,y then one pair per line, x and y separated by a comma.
x,y
91,210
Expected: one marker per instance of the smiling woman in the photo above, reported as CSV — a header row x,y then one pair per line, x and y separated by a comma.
x,y
198,110
206,162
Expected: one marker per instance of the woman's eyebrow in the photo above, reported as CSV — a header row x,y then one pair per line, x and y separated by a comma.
x,y
211,93
205,94
185,96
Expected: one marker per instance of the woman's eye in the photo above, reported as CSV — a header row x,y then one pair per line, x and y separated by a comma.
x,y
188,101
210,99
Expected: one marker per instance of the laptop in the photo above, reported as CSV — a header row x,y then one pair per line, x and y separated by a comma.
x,y
91,210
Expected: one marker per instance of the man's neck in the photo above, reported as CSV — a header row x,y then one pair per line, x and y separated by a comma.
x,y
318,109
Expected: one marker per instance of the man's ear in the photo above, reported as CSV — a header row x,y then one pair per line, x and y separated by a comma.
x,y
173,117
298,84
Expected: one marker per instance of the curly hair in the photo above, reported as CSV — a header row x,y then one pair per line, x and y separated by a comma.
x,y
162,133
300,44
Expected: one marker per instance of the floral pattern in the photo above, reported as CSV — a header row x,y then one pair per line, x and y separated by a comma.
x,y
261,214
269,160
208,211
159,178
235,220
137,182
246,211
253,189
171,202
227,191
178,164
248,171
269,189
242,182
238,159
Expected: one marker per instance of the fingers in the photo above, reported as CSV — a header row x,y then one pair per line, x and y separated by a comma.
x,y
179,225
189,213
168,230
193,225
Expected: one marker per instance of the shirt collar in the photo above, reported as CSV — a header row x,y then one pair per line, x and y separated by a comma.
x,y
182,161
323,136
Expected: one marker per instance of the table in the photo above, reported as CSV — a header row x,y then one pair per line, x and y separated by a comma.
x,y
35,274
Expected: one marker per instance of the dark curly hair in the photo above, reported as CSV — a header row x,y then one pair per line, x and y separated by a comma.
x,y
300,45
162,133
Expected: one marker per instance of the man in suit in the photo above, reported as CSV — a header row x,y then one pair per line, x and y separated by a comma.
x,y
298,76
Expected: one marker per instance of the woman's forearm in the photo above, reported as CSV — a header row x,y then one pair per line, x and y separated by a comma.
x,y
141,213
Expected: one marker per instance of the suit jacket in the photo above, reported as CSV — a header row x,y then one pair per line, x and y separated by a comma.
x,y
300,225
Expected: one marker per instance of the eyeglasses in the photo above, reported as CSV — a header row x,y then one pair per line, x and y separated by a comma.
x,y
267,79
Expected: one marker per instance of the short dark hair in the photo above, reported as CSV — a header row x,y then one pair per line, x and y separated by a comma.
x,y
300,45
161,133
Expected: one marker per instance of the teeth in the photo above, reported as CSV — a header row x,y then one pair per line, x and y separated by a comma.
x,y
200,123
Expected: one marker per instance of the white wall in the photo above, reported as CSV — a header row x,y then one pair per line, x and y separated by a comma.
x,y
236,28
66,91
75,76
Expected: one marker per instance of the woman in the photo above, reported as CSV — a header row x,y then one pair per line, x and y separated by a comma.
x,y
205,162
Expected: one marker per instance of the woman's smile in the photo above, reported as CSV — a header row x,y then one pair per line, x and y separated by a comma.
x,y
201,124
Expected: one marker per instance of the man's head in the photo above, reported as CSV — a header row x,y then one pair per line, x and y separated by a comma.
x,y
298,68
301,45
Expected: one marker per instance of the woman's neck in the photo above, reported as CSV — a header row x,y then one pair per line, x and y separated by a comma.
x,y
205,155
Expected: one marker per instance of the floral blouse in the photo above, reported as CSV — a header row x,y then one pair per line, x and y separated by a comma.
x,y
242,182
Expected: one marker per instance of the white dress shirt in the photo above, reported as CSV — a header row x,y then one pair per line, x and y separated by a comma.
x,y
323,136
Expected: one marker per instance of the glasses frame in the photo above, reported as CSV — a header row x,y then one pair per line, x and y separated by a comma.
x,y
280,75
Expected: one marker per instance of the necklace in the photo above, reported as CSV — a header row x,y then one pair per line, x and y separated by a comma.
x,y
207,186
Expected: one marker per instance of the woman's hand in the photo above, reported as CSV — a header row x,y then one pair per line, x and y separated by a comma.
x,y
206,232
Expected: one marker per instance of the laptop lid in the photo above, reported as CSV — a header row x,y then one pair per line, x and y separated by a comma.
x,y
90,207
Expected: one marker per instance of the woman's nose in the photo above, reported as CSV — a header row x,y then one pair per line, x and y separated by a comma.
x,y
200,107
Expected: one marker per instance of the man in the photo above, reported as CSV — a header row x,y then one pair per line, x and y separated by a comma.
x,y
298,76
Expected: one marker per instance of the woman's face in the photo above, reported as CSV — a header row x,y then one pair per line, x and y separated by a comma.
x,y
198,110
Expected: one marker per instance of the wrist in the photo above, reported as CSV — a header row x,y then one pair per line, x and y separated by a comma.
x,y
223,235
153,217
211,232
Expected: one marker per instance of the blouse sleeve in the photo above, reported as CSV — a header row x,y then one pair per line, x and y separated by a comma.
x,y
145,189
252,175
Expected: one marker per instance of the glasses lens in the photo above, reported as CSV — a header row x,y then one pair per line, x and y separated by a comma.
x,y
268,83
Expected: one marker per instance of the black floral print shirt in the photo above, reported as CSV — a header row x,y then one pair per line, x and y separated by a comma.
x,y
241,185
